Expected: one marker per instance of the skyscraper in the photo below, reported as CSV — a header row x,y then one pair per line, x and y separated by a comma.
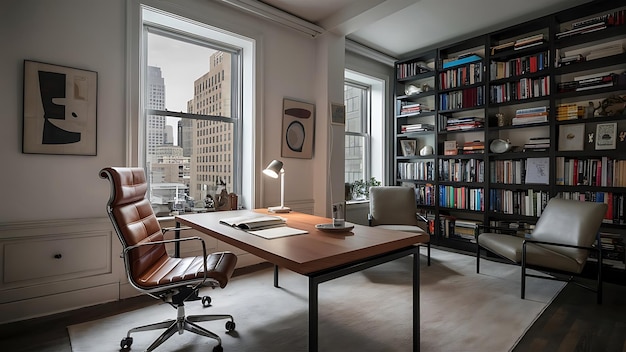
x,y
155,125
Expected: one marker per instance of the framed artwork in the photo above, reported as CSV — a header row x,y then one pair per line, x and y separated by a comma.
x,y
60,105
571,137
408,147
605,135
337,114
298,129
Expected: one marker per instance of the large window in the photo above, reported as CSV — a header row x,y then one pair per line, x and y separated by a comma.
x,y
191,129
357,144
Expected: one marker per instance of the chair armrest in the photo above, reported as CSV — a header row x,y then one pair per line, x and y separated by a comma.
x,y
558,244
177,240
166,229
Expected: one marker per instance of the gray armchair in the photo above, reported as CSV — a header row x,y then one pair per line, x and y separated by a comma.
x,y
560,243
395,208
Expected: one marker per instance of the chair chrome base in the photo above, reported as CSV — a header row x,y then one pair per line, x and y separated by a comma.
x,y
180,324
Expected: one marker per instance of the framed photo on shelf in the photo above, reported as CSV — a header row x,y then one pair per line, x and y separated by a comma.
x,y
571,137
605,135
408,147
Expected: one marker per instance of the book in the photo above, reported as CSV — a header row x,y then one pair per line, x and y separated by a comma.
x,y
254,222
266,226
462,60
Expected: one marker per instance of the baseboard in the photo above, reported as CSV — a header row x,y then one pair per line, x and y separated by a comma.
x,y
57,303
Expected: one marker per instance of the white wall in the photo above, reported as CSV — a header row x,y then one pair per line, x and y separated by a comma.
x,y
91,34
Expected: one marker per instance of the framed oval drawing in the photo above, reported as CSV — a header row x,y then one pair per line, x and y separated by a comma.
x,y
298,129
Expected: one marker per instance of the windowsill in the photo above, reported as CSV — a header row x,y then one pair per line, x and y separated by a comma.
x,y
357,201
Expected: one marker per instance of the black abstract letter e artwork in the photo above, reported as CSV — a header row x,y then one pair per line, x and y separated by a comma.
x,y
59,110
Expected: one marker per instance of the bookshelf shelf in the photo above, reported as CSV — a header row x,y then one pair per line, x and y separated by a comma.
x,y
543,55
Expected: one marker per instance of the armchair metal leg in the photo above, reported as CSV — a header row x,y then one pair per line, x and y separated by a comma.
x,y
477,259
428,249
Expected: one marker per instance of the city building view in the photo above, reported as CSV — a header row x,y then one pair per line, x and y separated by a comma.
x,y
193,170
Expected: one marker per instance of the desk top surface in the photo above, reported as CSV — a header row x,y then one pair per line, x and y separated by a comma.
x,y
306,253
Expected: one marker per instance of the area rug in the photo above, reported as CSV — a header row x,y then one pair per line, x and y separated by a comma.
x,y
366,311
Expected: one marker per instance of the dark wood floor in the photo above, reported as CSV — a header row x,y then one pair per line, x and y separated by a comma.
x,y
575,323
572,323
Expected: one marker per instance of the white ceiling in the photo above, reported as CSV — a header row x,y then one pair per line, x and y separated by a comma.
x,y
400,27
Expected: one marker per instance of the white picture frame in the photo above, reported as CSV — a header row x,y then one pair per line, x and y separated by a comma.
x,y
606,135
572,137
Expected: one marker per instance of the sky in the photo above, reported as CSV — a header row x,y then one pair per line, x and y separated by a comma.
x,y
181,64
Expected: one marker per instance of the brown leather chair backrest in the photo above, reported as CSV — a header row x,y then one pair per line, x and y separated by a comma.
x,y
134,219
393,205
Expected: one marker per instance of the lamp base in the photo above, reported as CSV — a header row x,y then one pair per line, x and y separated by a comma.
x,y
279,209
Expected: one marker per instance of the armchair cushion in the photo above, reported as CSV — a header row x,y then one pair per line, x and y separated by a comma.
x,y
510,247
405,228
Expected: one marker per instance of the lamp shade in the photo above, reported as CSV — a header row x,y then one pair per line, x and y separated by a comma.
x,y
274,168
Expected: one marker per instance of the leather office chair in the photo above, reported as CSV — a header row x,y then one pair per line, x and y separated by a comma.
x,y
395,208
148,266
559,244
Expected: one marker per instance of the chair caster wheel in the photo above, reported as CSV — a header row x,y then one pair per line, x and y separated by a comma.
x,y
230,325
206,301
126,343
218,348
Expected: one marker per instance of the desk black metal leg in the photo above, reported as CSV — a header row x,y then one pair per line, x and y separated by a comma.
x,y
177,244
416,301
275,275
313,317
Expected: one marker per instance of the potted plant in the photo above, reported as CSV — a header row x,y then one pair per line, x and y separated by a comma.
x,y
361,188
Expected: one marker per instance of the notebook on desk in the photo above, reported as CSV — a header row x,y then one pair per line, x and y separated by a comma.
x,y
265,226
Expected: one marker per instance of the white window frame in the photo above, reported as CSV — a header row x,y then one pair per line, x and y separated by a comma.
x,y
137,13
377,127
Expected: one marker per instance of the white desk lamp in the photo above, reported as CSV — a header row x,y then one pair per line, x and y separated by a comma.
x,y
274,169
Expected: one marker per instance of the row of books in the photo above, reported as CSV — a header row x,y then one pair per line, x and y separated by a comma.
x,y
603,172
425,194
461,76
537,144
525,88
569,111
410,69
616,202
527,202
467,198
593,81
612,250
460,60
417,127
466,98
461,170
417,170
522,43
463,123
532,115
614,48
507,171
408,108
520,66
593,24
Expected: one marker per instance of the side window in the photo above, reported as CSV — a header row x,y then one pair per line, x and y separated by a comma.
x,y
357,143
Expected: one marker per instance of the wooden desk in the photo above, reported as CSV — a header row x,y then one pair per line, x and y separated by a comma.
x,y
319,255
